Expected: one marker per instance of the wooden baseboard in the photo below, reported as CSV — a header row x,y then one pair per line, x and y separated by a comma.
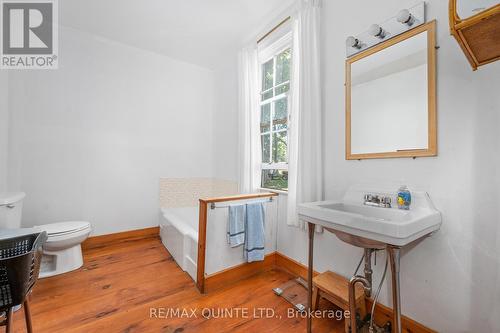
x,y
383,314
239,272
292,266
104,240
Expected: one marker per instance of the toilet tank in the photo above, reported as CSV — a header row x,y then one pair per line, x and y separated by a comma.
x,y
11,208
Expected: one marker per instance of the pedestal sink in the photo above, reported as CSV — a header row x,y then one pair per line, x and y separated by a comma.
x,y
374,227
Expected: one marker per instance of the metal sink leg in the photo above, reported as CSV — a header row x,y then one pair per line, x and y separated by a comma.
x,y
396,297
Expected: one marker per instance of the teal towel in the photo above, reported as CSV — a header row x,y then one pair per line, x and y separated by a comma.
x,y
236,225
255,235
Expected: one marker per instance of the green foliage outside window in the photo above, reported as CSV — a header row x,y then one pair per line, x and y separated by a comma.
x,y
274,120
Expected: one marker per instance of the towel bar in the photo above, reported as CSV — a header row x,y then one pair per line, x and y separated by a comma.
x,y
213,205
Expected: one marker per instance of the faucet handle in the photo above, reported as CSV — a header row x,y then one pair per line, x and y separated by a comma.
x,y
386,201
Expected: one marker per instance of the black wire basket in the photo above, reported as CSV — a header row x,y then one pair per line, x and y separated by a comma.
x,y
20,259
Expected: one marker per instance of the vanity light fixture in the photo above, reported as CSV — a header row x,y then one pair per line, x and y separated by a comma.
x,y
353,42
377,31
405,17
399,23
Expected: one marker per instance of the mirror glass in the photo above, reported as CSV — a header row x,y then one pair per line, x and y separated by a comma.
x,y
389,99
468,8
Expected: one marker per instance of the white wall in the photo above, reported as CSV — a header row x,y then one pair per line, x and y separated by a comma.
x,y
4,129
451,281
226,119
91,139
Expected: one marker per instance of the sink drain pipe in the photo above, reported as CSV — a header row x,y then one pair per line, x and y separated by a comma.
x,y
366,281
352,298
368,270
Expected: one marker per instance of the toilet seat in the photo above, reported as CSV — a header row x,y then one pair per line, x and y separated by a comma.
x,y
64,228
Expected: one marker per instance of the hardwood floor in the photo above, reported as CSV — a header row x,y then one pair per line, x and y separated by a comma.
x,y
122,284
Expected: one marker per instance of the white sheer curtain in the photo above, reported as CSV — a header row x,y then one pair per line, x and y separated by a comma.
x,y
305,175
249,142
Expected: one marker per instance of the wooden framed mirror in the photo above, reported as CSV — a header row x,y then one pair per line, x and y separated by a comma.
x,y
391,97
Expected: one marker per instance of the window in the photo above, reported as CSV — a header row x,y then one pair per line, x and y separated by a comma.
x,y
275,85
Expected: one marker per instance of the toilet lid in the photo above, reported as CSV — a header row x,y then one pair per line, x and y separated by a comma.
x,y
11,198
64,227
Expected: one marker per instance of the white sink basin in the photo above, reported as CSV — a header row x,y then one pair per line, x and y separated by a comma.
x,y
374,227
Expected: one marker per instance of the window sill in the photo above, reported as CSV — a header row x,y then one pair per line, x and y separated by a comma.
x,y
280,192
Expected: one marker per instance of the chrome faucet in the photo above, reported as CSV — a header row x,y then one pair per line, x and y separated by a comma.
x,y
377,201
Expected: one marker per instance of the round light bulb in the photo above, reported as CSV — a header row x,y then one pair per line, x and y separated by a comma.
x,y
353,42
404,16
377,31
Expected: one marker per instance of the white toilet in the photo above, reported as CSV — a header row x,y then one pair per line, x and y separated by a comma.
x,y
62,252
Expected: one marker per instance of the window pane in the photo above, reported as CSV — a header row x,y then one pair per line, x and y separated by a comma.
x,y
267,75
282,89
280,147
280,114
283,66
265,146
267,95
265,118
275,179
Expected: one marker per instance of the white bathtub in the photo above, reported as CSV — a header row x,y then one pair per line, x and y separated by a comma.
x,y
179,234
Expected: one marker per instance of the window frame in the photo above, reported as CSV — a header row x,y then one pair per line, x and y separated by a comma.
x,y
266,54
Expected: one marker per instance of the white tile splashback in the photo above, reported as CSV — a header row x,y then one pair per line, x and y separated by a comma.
x,y
185,192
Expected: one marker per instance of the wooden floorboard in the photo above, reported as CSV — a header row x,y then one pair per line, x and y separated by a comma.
x,y
119,284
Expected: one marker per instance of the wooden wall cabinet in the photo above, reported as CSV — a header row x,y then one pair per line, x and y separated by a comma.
x,y
478,35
